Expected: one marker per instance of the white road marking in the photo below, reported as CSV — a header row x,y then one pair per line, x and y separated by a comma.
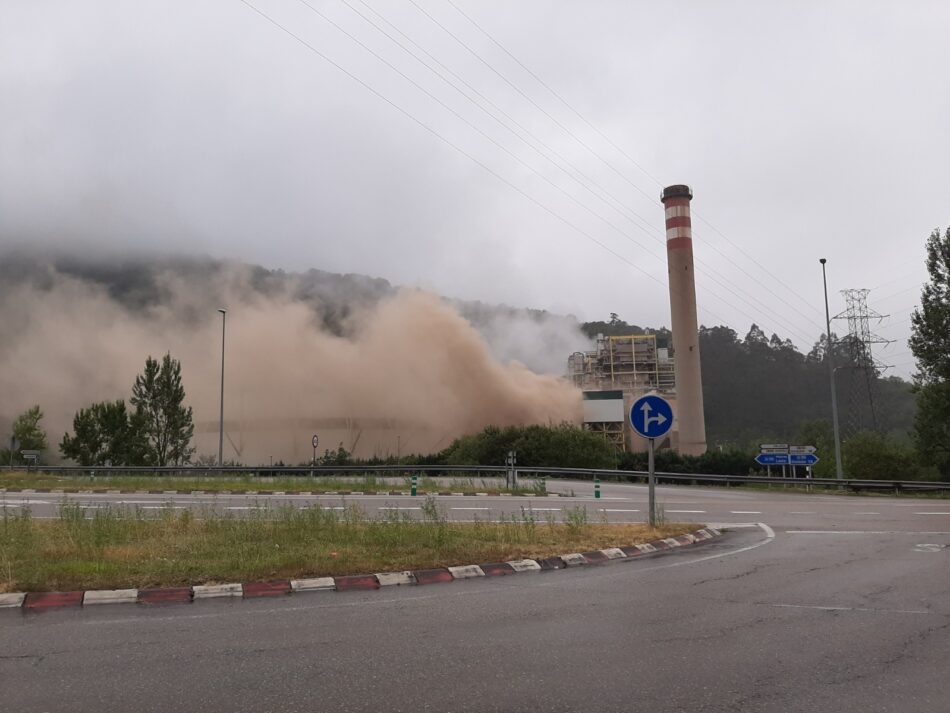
x,y
691,512
861,532
745,512
862,609
927,547
801,512
932,513
469,508
611,510
546,509
867,513
393,507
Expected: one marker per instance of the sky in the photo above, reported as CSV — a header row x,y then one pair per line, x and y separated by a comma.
x,y
499,151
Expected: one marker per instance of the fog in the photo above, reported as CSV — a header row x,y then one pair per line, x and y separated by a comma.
x,y
409,373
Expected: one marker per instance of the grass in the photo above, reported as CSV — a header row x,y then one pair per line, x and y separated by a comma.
x,y
215,483
117,548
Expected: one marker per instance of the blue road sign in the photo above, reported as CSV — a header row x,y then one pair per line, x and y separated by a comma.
x,y
774,459
651,416
802,459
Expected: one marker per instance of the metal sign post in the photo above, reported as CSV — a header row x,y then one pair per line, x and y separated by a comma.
x,y
652,417
315,441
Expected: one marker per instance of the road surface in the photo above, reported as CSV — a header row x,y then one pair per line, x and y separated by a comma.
x,y
831,604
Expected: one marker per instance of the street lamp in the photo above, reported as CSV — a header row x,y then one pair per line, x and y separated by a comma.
x,y
839,468
224,315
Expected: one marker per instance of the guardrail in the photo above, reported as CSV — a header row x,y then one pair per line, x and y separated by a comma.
x,y
491,470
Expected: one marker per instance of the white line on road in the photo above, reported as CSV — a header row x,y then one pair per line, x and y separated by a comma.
x,y
745,512
864,609
801,512
612,510
862,532
867,513
469,508
932,513
393,507
690,512
546,509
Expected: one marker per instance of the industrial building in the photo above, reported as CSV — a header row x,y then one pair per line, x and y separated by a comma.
x,y
623,368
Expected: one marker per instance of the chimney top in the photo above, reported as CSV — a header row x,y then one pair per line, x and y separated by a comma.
x,y
678,191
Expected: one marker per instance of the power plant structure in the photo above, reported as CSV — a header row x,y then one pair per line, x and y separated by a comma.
x,y
622,368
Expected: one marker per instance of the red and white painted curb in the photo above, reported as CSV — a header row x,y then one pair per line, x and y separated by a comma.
x,y
38,601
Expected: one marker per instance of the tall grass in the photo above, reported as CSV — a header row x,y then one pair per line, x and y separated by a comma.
x,y
118,548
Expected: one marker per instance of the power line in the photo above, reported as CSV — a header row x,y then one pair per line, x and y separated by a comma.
x,y
624,210
606,138
449,143
610,224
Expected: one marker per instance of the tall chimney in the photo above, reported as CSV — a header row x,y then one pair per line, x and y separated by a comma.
x,y
689,381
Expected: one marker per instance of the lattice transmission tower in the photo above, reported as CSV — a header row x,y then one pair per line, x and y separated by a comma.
x,y
863,367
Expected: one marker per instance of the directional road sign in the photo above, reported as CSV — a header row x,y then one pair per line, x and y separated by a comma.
x,y
770,447
802,459
801,449
773,459
651,416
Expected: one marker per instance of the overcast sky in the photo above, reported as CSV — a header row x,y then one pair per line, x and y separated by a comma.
x,y
806,130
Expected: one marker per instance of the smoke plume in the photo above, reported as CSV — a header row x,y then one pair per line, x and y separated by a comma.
x,y
405,373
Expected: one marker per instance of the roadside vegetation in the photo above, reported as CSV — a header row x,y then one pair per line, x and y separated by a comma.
x,y
115,549
369,483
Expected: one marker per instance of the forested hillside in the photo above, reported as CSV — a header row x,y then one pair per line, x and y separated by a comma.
x,y
758,389
755,387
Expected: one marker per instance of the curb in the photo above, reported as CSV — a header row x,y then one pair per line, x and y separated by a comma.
x,y
40,601
406,493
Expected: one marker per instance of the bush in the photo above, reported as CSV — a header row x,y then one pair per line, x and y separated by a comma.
x,y
561,446
876,456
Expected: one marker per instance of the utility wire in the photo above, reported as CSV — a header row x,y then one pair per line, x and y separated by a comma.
x,y
449,143
623,210
614,145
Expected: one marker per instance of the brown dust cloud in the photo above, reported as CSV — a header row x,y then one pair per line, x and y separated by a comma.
x,y
406,374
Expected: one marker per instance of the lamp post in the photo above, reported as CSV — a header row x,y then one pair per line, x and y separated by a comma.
x,y
839,468
224,315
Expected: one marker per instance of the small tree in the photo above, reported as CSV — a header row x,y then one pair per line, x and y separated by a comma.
x,y
158,397
28,435
930,343
106,433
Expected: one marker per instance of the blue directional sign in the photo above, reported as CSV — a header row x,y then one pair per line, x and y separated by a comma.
x,y
774,459
651,416
802,459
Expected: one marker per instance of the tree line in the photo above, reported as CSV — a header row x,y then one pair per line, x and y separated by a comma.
x,y
155,429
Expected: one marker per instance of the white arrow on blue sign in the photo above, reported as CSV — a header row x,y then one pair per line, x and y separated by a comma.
x,y
651,416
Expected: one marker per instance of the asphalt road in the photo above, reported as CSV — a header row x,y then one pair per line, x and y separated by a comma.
x,y
833,604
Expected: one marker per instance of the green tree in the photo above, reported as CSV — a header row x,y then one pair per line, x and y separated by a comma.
x,y
158,397
106,433
930,344
28,435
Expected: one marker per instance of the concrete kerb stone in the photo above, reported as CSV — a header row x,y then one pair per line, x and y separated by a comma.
x,y
13,599
317,584
110,596
524,565
574,559
391,579
213,591
466,571
48,600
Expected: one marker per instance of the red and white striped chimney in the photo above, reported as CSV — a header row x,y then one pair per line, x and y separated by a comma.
x,y
689,382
